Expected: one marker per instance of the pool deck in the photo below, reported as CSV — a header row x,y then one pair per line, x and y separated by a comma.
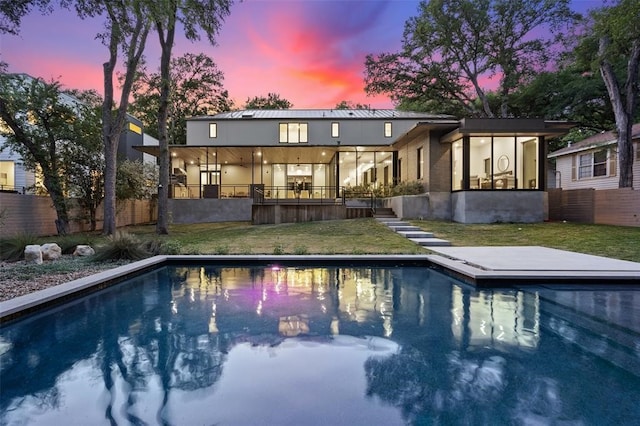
x,y
509,266
498,267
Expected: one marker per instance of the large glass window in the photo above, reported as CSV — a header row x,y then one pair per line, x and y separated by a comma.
x,y
456,169
480,163
495,162
293,133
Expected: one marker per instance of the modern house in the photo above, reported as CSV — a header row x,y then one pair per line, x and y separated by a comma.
x,y
593,162
238,163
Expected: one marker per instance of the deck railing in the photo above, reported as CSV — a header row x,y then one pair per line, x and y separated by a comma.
x,y
262,194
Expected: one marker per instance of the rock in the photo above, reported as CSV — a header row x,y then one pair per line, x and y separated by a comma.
x,y
84,250
51,251
32,253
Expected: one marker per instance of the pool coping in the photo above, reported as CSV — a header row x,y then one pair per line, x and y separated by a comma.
x,y
48,297
455,262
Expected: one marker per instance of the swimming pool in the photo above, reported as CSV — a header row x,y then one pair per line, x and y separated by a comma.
x,y
187,345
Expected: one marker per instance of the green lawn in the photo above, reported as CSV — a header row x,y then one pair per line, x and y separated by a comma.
x,y
618,242
362,236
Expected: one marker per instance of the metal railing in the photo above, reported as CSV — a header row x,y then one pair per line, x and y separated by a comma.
x,y
290,194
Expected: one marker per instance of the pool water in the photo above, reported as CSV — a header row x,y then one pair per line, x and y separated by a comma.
x,y
272,345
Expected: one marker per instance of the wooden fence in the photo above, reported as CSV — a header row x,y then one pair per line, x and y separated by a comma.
x,y
30,214
602,206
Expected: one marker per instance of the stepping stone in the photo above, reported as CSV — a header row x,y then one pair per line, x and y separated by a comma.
x,y
405,228
416,234
426,242
397,223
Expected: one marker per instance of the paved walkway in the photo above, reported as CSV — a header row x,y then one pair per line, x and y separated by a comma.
x,y
507,266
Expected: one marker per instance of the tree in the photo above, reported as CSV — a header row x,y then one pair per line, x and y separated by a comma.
x,y
194,16
453,46
271,101
84,168
52,130
616,33
136,180
196,89
126,29
350,105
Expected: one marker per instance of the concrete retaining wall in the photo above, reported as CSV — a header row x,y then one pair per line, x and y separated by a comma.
x,y
203,210
291,213
499,206
434,205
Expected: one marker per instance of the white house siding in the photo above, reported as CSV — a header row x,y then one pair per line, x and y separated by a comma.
x,y
564,166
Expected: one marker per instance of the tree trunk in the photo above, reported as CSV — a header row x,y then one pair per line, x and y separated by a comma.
x,y
622,110
166,42
59,204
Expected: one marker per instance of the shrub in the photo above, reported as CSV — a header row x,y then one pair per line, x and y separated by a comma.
x,y
157,246
222,249
278,249
408,188
121,246
301,249
12,248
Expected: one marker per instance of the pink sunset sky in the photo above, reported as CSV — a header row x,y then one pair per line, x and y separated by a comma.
x,y
310,52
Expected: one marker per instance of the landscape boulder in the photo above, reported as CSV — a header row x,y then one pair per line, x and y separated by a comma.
x,y
33,254
51,251
84,250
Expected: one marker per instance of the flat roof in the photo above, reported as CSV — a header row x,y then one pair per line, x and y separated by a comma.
x,y
341,114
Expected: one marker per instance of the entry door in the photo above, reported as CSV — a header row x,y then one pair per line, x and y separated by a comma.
x,y
210,183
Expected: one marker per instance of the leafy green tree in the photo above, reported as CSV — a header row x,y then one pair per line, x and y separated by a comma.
x,y
452,46
125,33
195,17
271,101
53,131
196,89
350,105
136,180
616,33
84,168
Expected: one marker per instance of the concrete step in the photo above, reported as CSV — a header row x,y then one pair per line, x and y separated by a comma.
x,y
400,228
426,242
396,222
416,234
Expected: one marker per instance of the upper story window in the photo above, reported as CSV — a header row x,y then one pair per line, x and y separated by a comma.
x,y
387,129
213,130
293,133
135,128
592,164
335,130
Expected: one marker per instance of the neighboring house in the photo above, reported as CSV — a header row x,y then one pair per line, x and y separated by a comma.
x,y
593,162
471,170
15,178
